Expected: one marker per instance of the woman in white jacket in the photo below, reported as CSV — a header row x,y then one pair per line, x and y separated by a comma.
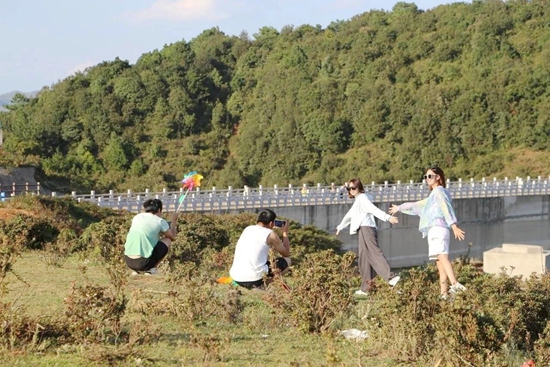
x,y
360,218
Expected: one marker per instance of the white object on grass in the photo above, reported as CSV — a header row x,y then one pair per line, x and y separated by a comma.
x,y
354,334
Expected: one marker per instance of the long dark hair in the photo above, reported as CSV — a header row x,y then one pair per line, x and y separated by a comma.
x,y
357,183
438,171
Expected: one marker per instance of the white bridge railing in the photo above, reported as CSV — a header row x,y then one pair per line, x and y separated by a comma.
x,y
273,197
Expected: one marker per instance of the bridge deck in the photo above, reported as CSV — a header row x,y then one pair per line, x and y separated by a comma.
x,y
273,197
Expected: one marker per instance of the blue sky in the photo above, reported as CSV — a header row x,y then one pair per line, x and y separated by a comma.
x,y
46,41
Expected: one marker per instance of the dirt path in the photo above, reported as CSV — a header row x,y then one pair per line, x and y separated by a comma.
x,y
6,213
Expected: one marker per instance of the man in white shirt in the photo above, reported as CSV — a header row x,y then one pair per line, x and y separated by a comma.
x,y
250,263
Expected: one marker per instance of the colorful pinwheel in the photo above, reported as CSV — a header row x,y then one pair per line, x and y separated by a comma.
x,y
189,182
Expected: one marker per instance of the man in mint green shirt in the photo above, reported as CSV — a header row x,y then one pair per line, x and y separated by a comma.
x,y
149,238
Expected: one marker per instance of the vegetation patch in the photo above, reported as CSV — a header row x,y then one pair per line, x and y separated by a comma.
x,y
86,309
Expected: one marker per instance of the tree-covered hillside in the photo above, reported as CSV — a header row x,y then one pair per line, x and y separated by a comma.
x,y
381,96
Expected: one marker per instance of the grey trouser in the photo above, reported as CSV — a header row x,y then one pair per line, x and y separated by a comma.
x,y
371,257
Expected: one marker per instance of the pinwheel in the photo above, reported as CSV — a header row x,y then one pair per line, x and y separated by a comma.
x,y
189,182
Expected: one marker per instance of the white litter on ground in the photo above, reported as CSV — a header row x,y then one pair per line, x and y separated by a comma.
x,y
354,334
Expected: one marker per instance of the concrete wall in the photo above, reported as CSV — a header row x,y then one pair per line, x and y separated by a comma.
x,y
488,222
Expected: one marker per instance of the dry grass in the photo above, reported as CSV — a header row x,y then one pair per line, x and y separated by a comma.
x,y
7,214
41,289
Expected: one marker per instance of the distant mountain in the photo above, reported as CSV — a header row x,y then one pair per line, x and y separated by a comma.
x,y
6,98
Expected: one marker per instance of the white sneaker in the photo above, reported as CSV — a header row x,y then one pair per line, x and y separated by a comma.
x,y
393,281
152,271
457,288
361,293
134,274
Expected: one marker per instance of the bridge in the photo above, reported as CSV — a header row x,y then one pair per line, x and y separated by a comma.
x,y
492,212
246,198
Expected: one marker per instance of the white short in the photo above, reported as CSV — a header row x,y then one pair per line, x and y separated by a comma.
x,y
438,242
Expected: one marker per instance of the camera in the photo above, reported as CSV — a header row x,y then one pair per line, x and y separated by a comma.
x,y
279,223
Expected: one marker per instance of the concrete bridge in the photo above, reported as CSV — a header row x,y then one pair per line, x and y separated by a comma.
x,y
491,212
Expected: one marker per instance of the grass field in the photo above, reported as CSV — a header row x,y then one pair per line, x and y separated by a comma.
x,y
67,299
41,290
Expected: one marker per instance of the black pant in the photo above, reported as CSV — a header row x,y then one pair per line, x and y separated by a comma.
x,y
280,264
144,264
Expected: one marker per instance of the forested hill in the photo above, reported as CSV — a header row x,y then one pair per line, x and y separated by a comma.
x,y
381,96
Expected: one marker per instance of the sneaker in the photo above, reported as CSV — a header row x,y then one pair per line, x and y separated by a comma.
x,y
152,271
134,274
361,293
393,281
457,288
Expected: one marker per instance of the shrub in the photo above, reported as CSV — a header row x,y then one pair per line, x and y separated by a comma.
x,y
320,292
57,252
94,314
104,242
542,347
197,232
195,296
32,232
216,262
105,236
495,315
12,242
61,212
309,239
18,330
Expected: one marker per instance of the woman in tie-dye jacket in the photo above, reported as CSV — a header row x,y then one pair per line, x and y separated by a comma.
x,y
436,217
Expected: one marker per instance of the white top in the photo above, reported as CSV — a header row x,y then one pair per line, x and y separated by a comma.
x,y
251,254
361,214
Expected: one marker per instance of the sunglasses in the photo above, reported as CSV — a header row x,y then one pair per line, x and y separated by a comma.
x,y
430,176
349,188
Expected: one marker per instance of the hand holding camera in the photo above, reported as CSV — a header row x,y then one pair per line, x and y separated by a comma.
x,y
279,223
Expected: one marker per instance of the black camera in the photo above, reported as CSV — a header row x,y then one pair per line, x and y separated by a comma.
x,y
279,223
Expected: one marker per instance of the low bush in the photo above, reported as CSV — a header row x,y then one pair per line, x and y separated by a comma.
x,y
197,232
13,238
18,330
195,298
319,293
57,252
310,239
94,315
61,212
495,315
31,231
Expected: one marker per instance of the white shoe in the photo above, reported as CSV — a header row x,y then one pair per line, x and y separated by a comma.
x,y
457,288
152,271
361,293
393,281
134,274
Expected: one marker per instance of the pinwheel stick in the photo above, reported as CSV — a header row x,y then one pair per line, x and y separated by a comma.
x,y
182,199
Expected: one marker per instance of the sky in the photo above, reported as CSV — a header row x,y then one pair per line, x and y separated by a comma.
x,y
43,42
